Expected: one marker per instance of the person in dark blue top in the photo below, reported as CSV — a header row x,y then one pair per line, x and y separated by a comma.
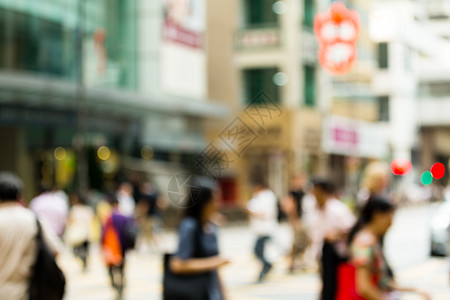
x,y
198,250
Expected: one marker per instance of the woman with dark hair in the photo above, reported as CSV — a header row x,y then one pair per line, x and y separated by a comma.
x,y
366,276
198,251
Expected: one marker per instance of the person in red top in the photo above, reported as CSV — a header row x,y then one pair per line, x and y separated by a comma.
x,y
366,276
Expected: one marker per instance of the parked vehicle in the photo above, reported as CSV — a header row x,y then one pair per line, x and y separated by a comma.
x,y
440,228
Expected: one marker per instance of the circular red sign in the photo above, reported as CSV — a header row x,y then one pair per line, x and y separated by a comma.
x,y
438,170
401,166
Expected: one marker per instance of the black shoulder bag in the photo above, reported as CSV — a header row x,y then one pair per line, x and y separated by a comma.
x,y
47,281
186,287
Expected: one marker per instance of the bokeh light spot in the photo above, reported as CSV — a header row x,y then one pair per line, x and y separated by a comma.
x,y
60,153
280,79
147,152
279,7
426,178
104,153
401,166
438,170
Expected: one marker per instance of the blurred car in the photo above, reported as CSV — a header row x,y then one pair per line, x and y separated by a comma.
x,y
440,228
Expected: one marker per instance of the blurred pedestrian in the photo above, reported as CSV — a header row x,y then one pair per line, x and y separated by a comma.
x,y
149,208
118,237
127,203
367,276
18,241
298,183
330,223
291,205
262,209
198,250
52,208
78,231
374,183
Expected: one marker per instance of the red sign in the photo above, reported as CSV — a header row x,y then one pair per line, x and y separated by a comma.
x,y
346,136
337,31
177,33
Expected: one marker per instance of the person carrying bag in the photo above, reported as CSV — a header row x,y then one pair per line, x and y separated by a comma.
x,y
47,281
185,286
191,273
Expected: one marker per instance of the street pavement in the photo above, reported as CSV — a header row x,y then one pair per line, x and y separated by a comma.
x,y
407,247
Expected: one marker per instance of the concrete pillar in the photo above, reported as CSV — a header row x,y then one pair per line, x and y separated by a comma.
x,y
291,65
14,157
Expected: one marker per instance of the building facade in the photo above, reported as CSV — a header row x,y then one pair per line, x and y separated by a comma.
x,y
78,84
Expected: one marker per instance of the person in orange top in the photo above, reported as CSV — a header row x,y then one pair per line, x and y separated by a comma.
x,y
117,239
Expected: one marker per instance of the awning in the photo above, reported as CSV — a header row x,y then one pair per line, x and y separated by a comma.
x,y
38,90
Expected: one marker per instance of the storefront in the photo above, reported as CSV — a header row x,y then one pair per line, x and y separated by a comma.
x,y
351,144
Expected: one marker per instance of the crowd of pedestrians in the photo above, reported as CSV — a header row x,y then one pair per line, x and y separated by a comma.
x,y
347,246
54,220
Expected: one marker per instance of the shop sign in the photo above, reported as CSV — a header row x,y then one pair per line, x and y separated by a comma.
x,y
351,137
337,31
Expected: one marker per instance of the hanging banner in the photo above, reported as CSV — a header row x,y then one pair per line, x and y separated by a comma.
x,y
337,31
183,49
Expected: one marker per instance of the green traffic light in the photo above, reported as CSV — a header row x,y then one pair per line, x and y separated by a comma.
x,y
426,178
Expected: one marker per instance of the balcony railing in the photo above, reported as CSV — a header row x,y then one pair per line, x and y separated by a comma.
x,y
257,38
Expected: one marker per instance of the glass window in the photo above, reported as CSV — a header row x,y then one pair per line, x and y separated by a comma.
x,y
309,13
383,55
309,86
259,12
43,39
257,81
383,108
120,40
434,89
30,43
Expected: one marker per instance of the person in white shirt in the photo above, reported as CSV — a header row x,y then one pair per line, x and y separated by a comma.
x,y
51,209
262,209
18,240
78,231
127,204
330,223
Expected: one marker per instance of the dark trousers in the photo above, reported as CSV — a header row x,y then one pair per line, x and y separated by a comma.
x,y
117,277
82,252
330,261
260,247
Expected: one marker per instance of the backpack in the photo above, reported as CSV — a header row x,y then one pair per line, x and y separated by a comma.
x,y
111,247
47,281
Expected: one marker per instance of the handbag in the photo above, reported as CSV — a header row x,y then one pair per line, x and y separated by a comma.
x,y
47,281
185,287
346,283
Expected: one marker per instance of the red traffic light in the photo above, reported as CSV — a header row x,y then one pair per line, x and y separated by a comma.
x,y
438,170
401,166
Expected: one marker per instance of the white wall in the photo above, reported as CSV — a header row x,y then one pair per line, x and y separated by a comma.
x,y
149,39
